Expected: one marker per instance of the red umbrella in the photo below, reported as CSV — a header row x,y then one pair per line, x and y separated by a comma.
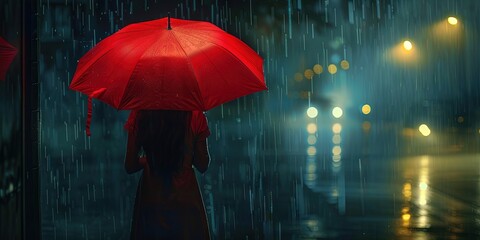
x,y
7,53
188,65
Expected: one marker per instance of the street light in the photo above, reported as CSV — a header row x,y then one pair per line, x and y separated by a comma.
x,y
447,30
452,20
404,52
407,45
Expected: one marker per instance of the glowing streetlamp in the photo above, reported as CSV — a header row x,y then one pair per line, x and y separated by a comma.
x,y
452,21
407,45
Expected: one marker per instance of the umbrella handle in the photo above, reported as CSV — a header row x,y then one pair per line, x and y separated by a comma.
x,y
95,94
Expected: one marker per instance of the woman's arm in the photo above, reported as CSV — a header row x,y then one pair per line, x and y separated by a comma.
x,y
201,157
132,161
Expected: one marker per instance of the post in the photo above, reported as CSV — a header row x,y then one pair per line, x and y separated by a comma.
x,y
30,122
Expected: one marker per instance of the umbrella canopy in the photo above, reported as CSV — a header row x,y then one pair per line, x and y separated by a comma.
x,y
175,65
7,54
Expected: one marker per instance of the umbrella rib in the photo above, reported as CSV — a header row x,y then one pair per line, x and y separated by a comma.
x,y
191,68
131,73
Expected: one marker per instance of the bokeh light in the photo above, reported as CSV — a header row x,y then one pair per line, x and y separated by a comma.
x,y
452,20
308,74
336,150
311,139
407,45
332,69
312,128
423,186
336,139
337,112
311,151
424,130
345,64
317,69
366,109
407,190
312,112
337,128
366,126
298,77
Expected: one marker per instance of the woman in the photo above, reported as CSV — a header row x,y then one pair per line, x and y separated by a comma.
x,y
168,204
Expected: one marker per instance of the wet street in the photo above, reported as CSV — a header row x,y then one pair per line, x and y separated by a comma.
x,y
295,194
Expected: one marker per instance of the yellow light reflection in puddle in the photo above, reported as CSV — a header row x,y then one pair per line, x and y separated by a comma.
x,y
334,192
406,217
311,177
366,126
407,191
313,225
336,139
312,128
311,139
337,150
311,151
337,128
311,167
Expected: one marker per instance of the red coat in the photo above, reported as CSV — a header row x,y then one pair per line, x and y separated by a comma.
x,y
180,212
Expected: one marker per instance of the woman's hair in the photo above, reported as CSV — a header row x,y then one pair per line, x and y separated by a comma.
x,y
161,134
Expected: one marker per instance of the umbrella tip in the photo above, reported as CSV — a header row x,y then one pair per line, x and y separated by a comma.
x,y
169,27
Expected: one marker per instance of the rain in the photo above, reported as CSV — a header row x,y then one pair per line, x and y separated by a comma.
x,y
369,129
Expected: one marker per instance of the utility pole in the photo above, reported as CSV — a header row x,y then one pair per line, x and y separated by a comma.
x,y
30,121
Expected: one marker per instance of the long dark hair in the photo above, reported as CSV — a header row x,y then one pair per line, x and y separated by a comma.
x,y
161,134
